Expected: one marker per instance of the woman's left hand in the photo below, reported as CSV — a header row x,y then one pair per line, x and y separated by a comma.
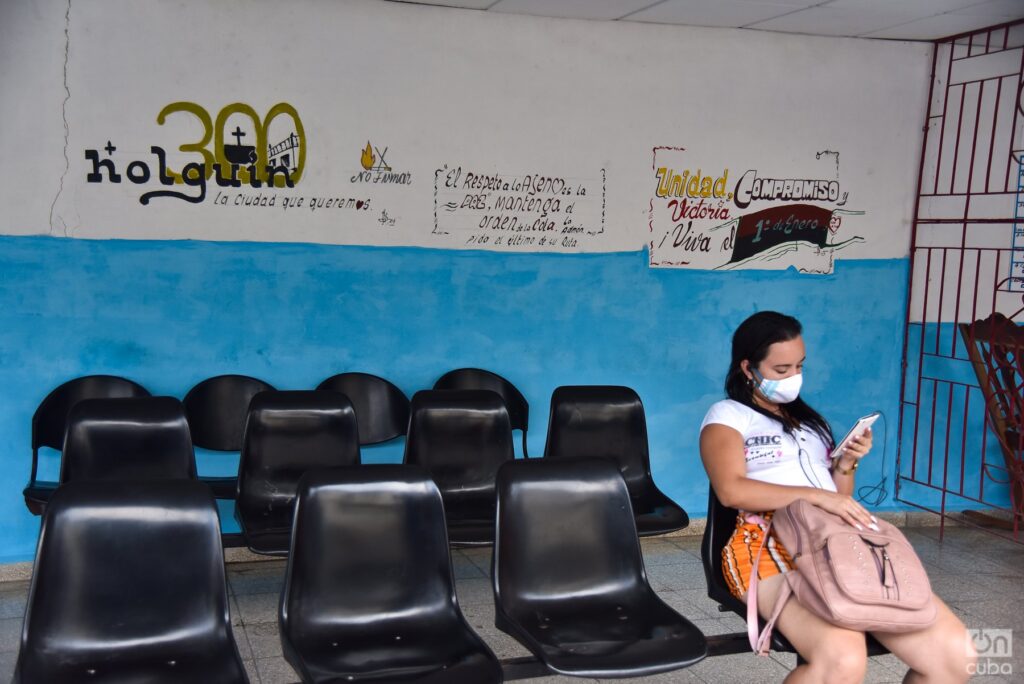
x,y
859,447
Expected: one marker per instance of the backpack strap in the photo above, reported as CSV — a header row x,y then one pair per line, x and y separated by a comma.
x,y
761,643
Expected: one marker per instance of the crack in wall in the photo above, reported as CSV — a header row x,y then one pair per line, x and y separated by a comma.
x,y
64,115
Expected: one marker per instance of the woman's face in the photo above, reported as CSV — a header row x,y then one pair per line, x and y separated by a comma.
x,y
783,360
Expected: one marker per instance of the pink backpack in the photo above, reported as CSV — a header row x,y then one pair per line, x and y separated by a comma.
x,y
863,580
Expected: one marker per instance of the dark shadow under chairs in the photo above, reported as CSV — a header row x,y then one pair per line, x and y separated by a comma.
x,y
721,521
286,434
608,421
216,409
128,586
50,421
476,378
140,438
381,408
461,437
569,578
369,593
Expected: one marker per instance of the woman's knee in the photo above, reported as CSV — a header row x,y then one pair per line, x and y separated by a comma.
x,y
843,656
959,656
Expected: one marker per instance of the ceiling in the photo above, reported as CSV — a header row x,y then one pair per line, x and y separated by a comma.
x,y
896,19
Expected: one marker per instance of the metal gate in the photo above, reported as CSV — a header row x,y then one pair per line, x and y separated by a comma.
x,y
961,441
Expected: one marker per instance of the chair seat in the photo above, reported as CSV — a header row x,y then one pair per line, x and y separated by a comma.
x,y
600,637
443,655
37,495
269,542
192,665
655,513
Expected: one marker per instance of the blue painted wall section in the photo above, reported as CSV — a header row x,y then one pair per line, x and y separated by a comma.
x,y
956,449
168,314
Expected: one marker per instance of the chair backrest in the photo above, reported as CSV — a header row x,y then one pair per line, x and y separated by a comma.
x,y
128,581
50,419
995,346
217,407
461,437
286,434
721,522
604,421
138,438
369,552
563,530
381,408
476,378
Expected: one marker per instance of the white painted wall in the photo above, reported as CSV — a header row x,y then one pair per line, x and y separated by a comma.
x,y
445,89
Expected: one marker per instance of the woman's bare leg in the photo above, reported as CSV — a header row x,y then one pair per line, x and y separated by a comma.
x,y
833,654
940,654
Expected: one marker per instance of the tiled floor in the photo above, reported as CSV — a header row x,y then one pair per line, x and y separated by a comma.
x,y
979,576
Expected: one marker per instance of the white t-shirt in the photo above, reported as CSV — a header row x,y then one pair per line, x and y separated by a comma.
x,y
773,455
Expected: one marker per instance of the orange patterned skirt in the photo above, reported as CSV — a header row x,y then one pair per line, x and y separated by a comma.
x,y
740,551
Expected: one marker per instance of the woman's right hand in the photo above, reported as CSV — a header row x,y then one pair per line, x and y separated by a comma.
x,y
845,507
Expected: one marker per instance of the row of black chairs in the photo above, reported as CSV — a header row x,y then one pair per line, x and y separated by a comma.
x,y
216,410
129,582
462,437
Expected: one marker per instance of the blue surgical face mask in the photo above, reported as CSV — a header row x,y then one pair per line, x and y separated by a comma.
x,y
779,391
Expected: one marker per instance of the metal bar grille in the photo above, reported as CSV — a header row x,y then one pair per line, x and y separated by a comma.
x,y
956,451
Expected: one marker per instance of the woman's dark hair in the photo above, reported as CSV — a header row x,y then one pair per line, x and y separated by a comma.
x,y
751,342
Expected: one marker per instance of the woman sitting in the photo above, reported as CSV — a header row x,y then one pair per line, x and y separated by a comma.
x,y
763,448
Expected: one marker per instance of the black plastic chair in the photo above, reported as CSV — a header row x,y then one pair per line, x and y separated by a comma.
x,y
461,437
216,409
381,408
608,421
139,438
476,378
286,434
369,593
721,522
50,421
569,579
128,586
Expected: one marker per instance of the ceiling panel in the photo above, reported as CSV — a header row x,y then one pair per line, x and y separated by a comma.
x,y
899,19
731,13
1005,9
576,9
934,27
826,21
921,8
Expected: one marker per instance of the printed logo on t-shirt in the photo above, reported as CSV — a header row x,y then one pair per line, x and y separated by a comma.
x,y
763,448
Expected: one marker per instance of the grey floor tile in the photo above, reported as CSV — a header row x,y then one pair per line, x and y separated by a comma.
x,y
256,578
256,608
684,675
276,671
480,556
692,604
741,668
463,567
236,614
12,599
7,663
244,650
264,640
472,591
480,616
250,669
718,626
677,577
961,588
664,552
502,644
10,635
